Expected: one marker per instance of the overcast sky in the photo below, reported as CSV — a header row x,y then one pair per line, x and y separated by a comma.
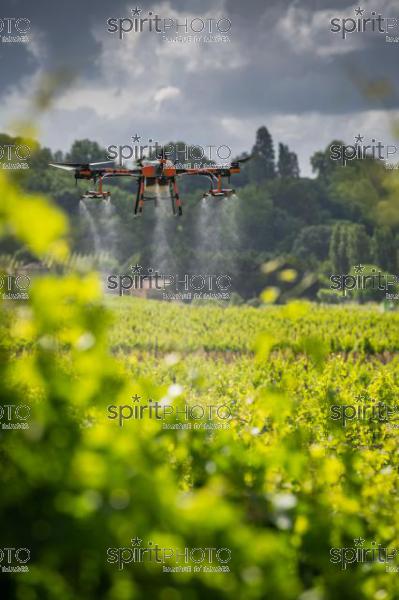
x,y
282,67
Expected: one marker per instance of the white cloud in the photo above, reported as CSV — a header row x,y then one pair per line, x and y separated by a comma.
x,y
166,93
309,32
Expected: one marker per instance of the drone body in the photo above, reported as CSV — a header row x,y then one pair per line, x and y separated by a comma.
x,y
149,173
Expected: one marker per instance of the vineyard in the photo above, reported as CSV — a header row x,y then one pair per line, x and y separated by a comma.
x,y
144,325
241,449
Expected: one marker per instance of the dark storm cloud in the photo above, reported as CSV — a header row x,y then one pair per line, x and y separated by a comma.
x,y
282,60
276,76
306,85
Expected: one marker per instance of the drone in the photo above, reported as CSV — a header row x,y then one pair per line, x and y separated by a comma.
x,y
149,174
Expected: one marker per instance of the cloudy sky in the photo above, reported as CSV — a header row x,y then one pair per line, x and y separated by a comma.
x,y
281,67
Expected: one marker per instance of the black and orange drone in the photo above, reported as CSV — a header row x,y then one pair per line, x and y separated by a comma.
x,y
149,174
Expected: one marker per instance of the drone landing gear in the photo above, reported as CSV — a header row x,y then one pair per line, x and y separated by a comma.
x,y
218,191
175,198
138,208
96,194
99,193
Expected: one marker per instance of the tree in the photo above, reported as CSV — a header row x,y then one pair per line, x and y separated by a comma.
x,y
358,244
322,162
86,151
313,241
349,246
338,248
287,165
58,156
262,165
383,249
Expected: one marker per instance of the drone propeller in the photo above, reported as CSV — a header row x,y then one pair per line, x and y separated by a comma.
x,y
67,166
102,162
236,163
244,159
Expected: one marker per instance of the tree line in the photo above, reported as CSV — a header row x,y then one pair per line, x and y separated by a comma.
x,y
325,224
